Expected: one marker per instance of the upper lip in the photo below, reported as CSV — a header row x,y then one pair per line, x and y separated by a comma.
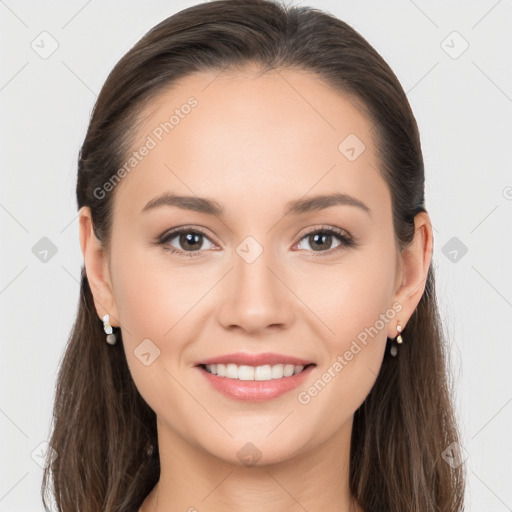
x,y
241,358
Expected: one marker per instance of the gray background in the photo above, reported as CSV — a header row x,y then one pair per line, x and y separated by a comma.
x,y
462,99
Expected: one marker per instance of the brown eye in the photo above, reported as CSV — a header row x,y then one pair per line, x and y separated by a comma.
x,y
191,241
321,240
185,241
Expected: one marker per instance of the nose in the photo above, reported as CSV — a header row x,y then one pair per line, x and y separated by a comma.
x,y
256,296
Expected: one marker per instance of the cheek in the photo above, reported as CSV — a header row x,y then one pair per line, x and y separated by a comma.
x,y
142,300
157,303
362,299
153,294
357,307
351,297
148,308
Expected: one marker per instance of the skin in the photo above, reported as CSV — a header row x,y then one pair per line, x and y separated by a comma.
x,y
254,142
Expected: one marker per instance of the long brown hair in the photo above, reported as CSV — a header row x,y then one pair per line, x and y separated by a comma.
x,y
103,432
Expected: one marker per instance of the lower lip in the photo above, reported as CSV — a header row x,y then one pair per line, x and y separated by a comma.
x,y
255,390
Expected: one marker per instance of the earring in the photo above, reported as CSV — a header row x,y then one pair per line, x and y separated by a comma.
x,y
111,337
399,337
394,350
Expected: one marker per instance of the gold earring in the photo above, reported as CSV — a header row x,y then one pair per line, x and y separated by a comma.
x,y
399,337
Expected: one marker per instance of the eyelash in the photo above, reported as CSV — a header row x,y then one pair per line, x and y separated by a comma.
x,y
345,239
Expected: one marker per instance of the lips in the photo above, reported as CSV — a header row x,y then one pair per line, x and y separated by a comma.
x,y
246,376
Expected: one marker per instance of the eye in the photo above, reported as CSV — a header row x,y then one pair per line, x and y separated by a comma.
x,y
190,241
321,240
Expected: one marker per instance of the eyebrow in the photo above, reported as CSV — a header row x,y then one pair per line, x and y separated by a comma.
x,y
296,207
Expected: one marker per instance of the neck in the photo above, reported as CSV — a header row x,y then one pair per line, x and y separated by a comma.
x,y
192,480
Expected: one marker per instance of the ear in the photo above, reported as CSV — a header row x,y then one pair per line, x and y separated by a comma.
x,y
414,263
97,269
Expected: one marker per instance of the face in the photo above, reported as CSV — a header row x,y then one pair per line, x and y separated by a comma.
x,y
315,285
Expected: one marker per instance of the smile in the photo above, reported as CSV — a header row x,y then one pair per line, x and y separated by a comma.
x,y
254,383
246,372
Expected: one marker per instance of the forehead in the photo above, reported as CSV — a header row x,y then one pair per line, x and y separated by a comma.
x,y
245,137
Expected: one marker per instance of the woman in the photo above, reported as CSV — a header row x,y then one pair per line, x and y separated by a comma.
x,y
222,358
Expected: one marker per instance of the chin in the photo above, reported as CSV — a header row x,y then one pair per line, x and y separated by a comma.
x,y
257,452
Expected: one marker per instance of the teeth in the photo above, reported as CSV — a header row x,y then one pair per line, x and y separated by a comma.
x,y
244,372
